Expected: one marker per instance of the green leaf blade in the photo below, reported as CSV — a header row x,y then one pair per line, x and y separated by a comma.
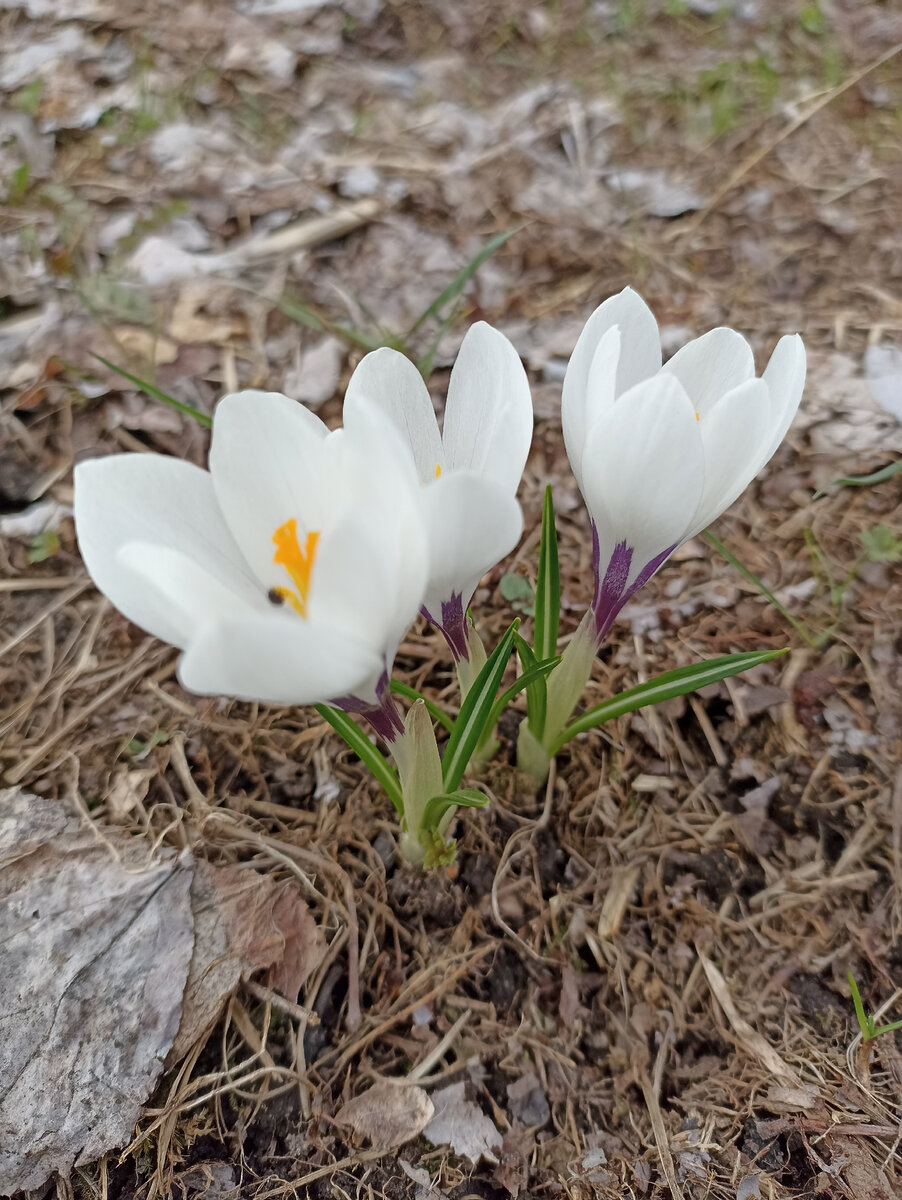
x,y
461,279
880,476
439,805
536,691
409,693
539,670
475,712
156,394
665,687
375,762
713,540
548,586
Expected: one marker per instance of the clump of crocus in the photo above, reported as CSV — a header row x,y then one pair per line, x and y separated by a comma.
x,y
658,452
289,571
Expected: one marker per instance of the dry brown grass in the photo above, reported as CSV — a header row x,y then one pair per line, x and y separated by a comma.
x,y
669,963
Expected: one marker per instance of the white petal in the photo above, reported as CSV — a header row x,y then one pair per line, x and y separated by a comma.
x,y
269,463
279,659
187,589
643,470
392,382
488,415
785,376
161,501
640,354
472,524
370,575
373,452
712,365
384,501
580,409
734,434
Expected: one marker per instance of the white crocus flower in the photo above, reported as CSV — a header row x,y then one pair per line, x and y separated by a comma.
x,y
660,451
286,573
469,473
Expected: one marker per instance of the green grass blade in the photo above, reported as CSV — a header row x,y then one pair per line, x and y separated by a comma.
x,y
475,712
762,587
426,362
538,671
880,476
665,687
305,314
402,689
865,1024
548,586
536,692
461,279
439,805
155,393
375,762
878,1030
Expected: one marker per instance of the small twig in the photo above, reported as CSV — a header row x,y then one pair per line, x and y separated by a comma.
x,y
268,996
303,234
438,1053
46,584
650,1095
709,731
747,1037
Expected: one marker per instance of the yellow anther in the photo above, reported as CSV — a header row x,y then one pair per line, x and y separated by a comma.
x,y
697,417
438,470
297,562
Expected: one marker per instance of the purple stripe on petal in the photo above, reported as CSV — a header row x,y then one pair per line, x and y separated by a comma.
x,y
384,717
611,592
453,626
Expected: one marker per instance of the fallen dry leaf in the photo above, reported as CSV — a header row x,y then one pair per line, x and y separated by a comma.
x,y
115,962
388,1114
237,932
462,1125
96,953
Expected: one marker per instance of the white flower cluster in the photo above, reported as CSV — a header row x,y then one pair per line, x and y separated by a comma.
x,y
290,570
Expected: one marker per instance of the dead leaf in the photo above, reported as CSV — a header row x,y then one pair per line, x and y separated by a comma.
x,y
314,378
388,1114
528,1102
96,948
191,320
304,947
792,1099
128,789
236,934
462,1125
862,1174
115,961
146,345
46,515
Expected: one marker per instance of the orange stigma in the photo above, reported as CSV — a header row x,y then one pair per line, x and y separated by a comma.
x,y
297,562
